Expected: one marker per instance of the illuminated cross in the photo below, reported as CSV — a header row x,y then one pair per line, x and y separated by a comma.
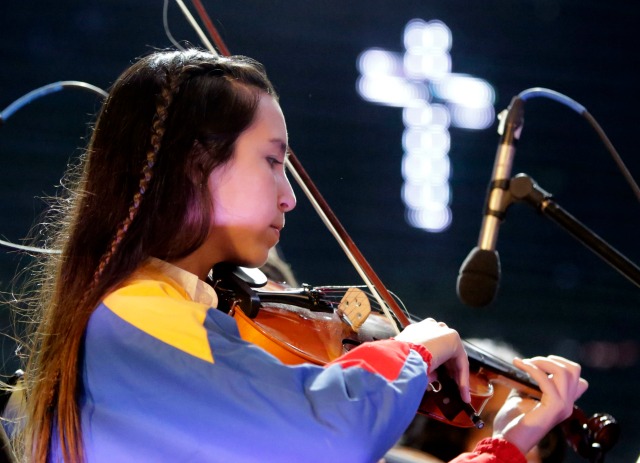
x,y
433,98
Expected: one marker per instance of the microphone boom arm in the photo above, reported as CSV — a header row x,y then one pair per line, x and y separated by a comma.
x,y
524,189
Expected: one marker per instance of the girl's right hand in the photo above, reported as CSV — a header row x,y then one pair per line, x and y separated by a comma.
x,y
446,349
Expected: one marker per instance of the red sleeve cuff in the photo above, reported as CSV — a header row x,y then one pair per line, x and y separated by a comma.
x,y
385,357
503,450
424,353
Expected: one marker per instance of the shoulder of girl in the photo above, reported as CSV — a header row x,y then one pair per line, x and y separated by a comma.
x,y
163,310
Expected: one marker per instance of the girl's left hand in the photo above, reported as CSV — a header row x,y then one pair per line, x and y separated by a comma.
x,y
524,421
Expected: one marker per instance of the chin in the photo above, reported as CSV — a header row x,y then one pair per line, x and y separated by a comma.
x,y
253,261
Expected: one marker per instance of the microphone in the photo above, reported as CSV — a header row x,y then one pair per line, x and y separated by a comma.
x,y
479,274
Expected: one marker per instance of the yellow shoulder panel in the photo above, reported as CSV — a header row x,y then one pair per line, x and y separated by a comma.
x,y
161,308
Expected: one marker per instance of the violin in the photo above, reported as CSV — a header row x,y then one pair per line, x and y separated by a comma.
x,y
318,324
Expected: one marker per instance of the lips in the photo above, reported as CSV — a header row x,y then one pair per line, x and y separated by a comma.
x,y
277,230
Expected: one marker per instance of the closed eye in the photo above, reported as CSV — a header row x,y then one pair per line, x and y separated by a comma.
x,y
273,160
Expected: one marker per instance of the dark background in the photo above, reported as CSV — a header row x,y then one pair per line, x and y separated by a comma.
x,y
555,296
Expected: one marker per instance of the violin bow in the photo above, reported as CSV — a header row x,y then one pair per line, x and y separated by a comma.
x,y
328,217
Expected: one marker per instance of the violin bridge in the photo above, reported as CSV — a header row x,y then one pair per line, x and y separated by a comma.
x,y
354,308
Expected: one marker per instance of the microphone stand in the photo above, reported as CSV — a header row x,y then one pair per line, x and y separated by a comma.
x,y
524,188
588,439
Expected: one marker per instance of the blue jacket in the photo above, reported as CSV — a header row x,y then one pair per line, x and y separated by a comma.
x,y
167,379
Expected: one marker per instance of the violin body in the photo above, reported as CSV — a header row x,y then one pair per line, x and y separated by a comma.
x,y
294,334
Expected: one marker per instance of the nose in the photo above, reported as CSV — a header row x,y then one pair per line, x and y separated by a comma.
x,y
287,198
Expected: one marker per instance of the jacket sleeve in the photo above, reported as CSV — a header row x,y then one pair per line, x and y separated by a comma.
x,y
491,450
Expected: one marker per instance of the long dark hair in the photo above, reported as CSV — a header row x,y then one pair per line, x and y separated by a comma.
x,y
169,120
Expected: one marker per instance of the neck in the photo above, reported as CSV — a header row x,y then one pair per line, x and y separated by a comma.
x,y
193,265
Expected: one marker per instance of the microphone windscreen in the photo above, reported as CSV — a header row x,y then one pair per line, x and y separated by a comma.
x,y
479,278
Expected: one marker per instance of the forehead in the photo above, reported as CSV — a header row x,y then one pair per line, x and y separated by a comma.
x,y
268,107
269,120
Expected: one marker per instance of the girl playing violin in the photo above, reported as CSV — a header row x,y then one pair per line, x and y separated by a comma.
x,y
131,360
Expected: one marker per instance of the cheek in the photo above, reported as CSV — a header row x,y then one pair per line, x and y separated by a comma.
x,y
230,203
242,196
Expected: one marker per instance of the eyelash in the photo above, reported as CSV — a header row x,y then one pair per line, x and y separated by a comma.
x,y
272,161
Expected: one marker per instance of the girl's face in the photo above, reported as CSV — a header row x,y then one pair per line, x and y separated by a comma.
x,y
251,193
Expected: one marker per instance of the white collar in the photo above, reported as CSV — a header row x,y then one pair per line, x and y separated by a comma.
x,y
198,290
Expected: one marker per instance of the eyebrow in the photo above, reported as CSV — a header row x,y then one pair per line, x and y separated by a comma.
x,y
284,148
